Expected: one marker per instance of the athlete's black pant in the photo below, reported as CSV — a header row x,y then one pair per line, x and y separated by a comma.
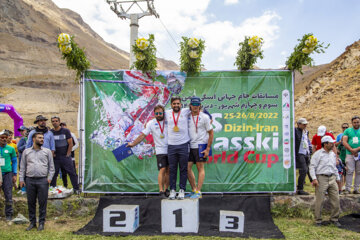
x,y
178,155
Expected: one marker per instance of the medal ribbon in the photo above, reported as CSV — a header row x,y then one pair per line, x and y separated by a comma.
x,y
197,120
161,128
177,119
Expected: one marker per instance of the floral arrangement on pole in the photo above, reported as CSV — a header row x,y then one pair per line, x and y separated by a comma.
x,y
191,50
301,55
144,51
74,56
249,52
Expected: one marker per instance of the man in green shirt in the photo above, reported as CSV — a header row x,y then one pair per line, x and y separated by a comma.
x,y
351,141
8,163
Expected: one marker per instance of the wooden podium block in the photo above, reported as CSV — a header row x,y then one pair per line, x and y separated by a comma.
x,y
231,221
121,218
180,216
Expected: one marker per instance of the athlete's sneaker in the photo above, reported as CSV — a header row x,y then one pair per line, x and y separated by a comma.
x,y
172,194
181,194
196,195
188,195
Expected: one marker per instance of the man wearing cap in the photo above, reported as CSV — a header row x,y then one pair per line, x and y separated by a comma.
x,y
303,152
8,163
49,141
316,140
158,129
325,177
38,167
201,135
351,141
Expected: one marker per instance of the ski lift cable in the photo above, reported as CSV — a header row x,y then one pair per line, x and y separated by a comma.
x,y
167,30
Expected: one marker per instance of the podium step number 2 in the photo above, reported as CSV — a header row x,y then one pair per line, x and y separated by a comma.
x,y
180,216
231,221
121,218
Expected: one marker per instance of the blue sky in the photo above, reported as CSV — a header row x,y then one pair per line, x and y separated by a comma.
x,y
224,23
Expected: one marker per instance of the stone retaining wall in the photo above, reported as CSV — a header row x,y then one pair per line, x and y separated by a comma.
x,y
348,203
75,206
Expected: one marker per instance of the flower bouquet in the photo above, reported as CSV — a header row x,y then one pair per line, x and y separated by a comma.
x,y
301,55
145,54
191,50
74,56
249,52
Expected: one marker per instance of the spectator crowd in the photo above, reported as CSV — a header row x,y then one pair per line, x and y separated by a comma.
x,y
36,158
329,163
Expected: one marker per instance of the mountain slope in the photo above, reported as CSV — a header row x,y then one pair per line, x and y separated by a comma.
x,y
330,95
33,77
28,33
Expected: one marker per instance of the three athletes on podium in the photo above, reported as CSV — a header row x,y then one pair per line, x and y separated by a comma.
x,y
176,140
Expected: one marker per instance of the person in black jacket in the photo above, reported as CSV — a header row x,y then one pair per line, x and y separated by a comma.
x,y
303,151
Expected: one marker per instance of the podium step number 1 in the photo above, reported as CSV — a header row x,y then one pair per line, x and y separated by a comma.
x,y
231,221
121,218
180,216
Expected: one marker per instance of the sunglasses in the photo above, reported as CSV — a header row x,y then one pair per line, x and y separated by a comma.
x,y
159,113
345,127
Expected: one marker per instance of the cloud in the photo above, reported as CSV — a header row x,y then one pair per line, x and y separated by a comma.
x,y
180,18
224,36
231,2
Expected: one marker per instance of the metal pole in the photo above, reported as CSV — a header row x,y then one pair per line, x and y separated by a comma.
x,y
81,132
117,7
134,27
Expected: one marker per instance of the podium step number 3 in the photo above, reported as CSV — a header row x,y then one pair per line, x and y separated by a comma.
x,y
180,216
231,221
121,218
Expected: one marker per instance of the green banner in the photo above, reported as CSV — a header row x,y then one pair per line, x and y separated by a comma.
x,y
252,111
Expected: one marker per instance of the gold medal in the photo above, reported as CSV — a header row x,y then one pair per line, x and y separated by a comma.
x,y
161,135
176,128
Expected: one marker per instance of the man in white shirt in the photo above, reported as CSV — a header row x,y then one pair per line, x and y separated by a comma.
x,y
158,129
178,145
201,137
325,177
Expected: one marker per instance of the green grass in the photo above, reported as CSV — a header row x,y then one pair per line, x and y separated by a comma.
x,y
62,228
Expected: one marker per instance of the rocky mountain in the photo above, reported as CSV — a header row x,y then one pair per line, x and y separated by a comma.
x,y
329,94
33,77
